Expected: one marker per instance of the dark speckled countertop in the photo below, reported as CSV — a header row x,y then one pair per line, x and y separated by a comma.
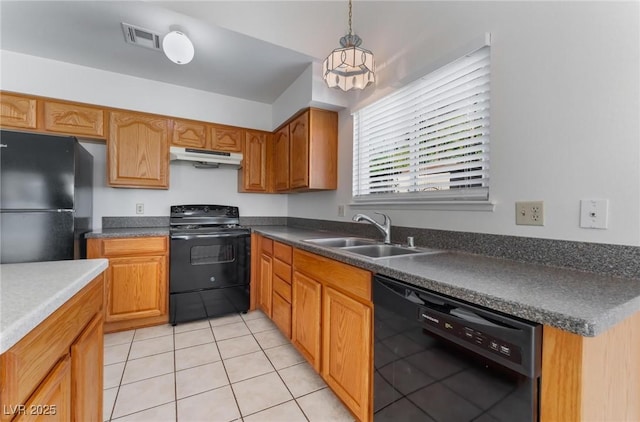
x,y
129,232
579,302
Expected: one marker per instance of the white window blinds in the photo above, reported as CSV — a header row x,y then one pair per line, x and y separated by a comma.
x,y
428,140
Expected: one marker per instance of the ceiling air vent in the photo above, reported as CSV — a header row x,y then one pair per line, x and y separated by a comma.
x,y
141,37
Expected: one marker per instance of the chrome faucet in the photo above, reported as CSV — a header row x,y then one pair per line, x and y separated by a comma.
x,y
385,227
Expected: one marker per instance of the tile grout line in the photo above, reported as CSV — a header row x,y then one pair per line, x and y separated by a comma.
x,y
175,375
226,373
115,400
278,373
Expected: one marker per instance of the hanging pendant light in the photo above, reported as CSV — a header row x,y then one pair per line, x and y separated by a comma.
x,y
349,67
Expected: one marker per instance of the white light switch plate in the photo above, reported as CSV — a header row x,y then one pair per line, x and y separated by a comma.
x,y
594,213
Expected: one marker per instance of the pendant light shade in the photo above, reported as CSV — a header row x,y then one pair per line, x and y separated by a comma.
x,y
349,67
178,47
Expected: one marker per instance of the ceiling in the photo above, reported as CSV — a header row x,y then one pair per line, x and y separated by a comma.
x,y
89,33
246,49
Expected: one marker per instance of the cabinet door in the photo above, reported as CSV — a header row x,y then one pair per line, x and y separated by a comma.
x,y
347,350
226,138
255,162
73,119
17,111
138,151
86,373
52,400
281,159
136,287
305,318
266,283
282,314
299,152
189,134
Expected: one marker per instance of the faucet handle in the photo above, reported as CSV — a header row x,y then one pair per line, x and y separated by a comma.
x,y
386,217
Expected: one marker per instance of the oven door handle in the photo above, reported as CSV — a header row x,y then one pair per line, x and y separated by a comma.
x,y
204,236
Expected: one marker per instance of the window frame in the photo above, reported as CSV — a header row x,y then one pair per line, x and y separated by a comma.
x,y
473,198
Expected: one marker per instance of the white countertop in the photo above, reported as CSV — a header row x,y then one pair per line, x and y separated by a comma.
x,y
30,292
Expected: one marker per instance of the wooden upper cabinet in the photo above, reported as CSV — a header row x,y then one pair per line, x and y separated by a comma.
x,y
138,150
299,153
73,119
17,111
281,159
189,134
255,164
226,138
313,151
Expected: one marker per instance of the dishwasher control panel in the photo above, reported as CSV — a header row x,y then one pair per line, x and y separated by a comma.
x,y
447,327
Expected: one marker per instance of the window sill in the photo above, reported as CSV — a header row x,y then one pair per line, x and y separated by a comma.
x,y
427,205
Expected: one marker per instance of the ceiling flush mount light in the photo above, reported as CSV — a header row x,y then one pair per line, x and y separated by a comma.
x,y
349,67
178,47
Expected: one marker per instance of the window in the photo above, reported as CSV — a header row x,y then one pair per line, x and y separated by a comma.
x,y
428,141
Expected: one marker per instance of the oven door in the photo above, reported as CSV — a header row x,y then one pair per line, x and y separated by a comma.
x,y
200,262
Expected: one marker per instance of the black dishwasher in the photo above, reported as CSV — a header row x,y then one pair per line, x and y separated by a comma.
x,y
440,359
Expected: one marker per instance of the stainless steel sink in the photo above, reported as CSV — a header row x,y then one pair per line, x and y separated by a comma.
x,y
385,251
370,248
341,242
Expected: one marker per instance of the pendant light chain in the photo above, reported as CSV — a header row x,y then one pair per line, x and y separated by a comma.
x,y
350,31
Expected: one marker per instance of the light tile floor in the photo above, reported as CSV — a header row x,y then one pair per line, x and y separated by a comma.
x,y
237,367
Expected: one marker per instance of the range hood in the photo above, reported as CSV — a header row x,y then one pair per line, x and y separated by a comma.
x,y
205,158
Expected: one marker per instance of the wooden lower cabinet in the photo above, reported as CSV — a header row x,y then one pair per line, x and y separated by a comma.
x,y
332,325
347,356
86,394
591,378
306,317
52,399
54,373
137,283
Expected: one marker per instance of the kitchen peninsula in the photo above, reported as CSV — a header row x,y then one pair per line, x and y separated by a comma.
x,y
51,339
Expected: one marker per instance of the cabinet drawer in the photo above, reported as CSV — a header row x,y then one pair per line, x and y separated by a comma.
x,y
282,252
129,246
282,288
282,270
333,273
282,314
266,245
73,119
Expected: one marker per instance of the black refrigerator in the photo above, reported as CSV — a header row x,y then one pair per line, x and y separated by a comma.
x,y
46,197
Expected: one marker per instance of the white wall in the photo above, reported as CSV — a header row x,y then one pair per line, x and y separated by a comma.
x,y
188,186
49,78
565,113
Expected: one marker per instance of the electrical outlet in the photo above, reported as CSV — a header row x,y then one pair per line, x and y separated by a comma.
x,y
530,213
139,208
340,210
594,213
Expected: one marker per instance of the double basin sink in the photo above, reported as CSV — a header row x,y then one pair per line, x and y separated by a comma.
x,y
370,248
